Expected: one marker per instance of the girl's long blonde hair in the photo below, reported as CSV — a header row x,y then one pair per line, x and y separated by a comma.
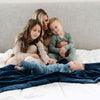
x,y
25,36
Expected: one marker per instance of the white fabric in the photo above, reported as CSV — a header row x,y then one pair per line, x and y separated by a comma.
x,y
58,91
4,56
29,58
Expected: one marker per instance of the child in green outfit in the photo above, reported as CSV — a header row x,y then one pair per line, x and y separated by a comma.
x,y
65,50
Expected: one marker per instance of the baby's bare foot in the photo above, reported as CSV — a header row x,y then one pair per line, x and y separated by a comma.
x,y
17,68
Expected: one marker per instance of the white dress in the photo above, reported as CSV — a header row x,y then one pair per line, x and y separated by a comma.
x,y
33,49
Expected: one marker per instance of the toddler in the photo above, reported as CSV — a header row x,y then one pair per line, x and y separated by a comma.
x,y
66,50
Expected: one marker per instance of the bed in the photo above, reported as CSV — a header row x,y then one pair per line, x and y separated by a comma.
x,y
81,19
57,90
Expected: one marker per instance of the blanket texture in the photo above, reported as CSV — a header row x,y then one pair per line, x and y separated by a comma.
x,y
11,79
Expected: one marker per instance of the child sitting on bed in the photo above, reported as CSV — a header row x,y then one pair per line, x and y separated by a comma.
x,y
47,69
28,44
66,50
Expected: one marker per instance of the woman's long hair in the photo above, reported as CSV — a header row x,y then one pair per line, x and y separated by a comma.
x,y
25,36
38,15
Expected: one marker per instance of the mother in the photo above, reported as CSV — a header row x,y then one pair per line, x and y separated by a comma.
x,y
43,18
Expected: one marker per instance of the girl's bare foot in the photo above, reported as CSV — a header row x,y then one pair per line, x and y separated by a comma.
x,y
17,68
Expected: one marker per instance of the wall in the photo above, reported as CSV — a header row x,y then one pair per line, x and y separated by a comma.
x,y
81,19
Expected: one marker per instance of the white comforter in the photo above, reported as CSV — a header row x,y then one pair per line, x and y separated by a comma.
x,y
57,91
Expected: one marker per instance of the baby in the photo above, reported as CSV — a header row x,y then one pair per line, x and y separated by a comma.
x,y
47,69
57,52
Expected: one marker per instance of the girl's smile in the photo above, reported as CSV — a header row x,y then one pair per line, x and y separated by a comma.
x,y
35,32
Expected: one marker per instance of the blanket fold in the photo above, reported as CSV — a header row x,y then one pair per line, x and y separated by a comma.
x,y
11,79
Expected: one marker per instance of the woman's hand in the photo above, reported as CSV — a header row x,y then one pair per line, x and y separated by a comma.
x,y
34,56
61,44
51,61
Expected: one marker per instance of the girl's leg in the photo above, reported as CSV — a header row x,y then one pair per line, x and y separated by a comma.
x,y
12,60
9,58
16,60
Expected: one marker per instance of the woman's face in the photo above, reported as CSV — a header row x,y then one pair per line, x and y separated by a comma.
x,y
35,32
45,22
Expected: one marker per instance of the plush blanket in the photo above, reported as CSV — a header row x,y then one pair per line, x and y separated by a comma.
x,y
11,79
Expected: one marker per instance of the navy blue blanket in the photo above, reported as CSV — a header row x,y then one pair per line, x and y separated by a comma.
x,y
11,79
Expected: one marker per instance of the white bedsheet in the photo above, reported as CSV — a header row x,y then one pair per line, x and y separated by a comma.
x,y
58,91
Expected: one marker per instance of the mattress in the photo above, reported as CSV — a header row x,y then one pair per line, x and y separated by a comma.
x,y
57,90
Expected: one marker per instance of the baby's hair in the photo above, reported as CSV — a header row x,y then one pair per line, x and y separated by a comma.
x,y
52,20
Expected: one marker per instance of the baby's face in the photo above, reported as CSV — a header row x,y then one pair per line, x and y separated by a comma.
x,y
72,64
56,27
76,65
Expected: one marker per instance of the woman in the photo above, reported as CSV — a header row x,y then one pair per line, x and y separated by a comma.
x,y
43,18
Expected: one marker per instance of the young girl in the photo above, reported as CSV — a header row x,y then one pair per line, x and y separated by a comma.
x,y
43,18
28,44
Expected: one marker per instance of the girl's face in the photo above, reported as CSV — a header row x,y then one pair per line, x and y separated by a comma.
x,y
56,27
35,32
45,22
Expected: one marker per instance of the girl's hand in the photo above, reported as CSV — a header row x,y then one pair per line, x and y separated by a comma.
x,y
34,56
51,61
